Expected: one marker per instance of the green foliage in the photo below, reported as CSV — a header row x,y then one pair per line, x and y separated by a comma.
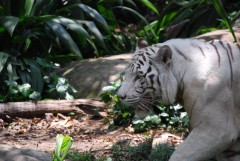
x,y
85,156
221,11
34,34
170,117
20,92
161,152
142,152
76,156
16,86
122,114
63,145
186,18
58,87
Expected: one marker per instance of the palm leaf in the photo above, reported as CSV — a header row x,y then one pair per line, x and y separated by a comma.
x,y
9,23
133,12
72,25
63,36
3,60
36,75
221,11
94,30
148,4
91,13
28,7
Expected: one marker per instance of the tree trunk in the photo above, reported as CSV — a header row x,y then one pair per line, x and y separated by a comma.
x,y
50,106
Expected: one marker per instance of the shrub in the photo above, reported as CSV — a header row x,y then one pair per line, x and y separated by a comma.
x,y
35,35
170,117
188,19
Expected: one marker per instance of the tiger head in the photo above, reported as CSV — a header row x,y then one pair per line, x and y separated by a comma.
x,y
148,78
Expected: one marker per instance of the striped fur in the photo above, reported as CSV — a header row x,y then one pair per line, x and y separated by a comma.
x,y
203,77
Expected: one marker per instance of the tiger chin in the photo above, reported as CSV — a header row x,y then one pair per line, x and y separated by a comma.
x,y
202,76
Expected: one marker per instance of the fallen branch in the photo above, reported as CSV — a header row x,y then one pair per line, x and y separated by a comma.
x,y
50,106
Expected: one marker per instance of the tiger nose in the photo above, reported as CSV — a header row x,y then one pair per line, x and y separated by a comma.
x,y
121,96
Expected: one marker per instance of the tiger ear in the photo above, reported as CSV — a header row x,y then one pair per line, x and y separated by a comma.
x,y
141,43
164,54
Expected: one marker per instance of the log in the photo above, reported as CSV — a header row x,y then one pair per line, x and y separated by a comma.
x,y
49,106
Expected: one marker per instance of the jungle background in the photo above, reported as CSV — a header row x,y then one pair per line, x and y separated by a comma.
x,y
39,38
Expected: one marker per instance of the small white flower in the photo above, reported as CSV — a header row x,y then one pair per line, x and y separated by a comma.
x,y
108,88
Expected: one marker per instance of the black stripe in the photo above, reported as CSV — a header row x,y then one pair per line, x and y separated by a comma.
x,y
230,64
140,61
196,46
141,72
182,54
151,78
139,92
152,50
138,66
215,47
222,44
148,53
144,58
149,69
150,62
230,48
202,51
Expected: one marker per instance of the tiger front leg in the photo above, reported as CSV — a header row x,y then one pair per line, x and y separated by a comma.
x,y
214,133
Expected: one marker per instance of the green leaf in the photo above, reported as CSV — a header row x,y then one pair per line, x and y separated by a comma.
x,y
133,12
63,144
62,85
77,28
94,30
3,60
28,7
1,10
25,76
163,114
221,11
63,36
91,13
25,89
149,5
68,96
94,47
9,23
72,25
12,75
35,95
36,75
95,16
126,114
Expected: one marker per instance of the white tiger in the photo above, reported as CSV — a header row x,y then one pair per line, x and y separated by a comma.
x,y
202,76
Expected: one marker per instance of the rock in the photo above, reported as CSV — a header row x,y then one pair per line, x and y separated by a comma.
x,y
91,75
8,153
223,35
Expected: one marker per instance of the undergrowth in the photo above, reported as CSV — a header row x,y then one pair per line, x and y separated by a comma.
x,y
167,117
142,152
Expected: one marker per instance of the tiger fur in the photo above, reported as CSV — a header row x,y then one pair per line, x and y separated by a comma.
x,y
202,76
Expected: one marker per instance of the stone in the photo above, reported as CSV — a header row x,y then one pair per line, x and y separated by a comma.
x,y
9,153
91,75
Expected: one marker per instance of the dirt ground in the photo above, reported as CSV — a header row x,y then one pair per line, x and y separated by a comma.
x,y
90,133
